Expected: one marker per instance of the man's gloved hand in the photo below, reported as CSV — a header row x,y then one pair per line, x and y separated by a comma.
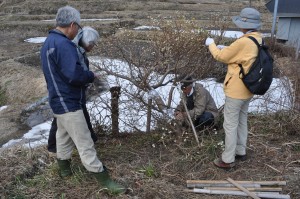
x,y
221,46
209,41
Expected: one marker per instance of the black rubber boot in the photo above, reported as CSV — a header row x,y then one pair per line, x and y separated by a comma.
x,y
104,179
64,168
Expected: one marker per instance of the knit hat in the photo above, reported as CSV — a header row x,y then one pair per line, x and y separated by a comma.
x,y
249,18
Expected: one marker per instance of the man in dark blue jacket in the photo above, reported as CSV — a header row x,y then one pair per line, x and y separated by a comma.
x,y
66,79
85,40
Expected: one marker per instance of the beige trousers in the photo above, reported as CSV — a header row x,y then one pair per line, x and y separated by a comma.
x,y
236,128
72,130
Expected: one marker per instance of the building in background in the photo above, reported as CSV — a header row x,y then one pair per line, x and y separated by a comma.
x,y
288,28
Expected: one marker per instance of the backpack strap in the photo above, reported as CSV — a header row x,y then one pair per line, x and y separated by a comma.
x,y
255,41
242,72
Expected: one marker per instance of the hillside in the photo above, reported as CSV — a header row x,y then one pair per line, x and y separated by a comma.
x,y
154,165
23,19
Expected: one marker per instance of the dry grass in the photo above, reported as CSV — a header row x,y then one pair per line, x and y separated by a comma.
x,y
13,75
155,167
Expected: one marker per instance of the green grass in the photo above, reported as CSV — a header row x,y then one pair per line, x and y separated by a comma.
x,y
148,170
296,148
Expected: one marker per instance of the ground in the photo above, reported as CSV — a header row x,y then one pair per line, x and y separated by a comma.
x,y
151,165
22,19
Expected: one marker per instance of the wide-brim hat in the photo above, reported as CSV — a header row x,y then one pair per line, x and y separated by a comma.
x,y
249,18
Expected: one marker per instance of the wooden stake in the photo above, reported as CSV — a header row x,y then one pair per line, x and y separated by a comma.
x,y
115,95
149,107
253,195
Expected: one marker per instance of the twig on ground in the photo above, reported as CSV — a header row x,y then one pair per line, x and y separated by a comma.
x,y
273,168
296,161
290,143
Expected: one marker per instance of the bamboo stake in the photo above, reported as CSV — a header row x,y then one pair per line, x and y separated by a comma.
x,y
191,121
252,194
239,193
267,183
226,192
200,185
262,189
192,124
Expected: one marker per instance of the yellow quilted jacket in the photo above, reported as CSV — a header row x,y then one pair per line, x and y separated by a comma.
x,y
242,51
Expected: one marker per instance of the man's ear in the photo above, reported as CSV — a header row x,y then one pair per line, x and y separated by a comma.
x,y
72,24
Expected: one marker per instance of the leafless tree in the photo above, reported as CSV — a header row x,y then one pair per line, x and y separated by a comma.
x,y
174,50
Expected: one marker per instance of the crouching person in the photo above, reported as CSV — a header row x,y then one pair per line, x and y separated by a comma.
x,y
200,104
66,80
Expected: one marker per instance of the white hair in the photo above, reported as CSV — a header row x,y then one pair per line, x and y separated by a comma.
x,y
89,36
66,15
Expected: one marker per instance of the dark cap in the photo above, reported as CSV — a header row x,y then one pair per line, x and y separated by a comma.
x,y
186,82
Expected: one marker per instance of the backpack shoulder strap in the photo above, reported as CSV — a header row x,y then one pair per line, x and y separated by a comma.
x,y
255,41
242,72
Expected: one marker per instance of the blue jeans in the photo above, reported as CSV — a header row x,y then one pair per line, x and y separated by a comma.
x,y
206,119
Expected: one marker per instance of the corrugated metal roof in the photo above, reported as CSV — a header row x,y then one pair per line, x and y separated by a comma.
x,y
285,7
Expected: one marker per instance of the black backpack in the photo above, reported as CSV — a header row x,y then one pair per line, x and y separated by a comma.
x,y
260,75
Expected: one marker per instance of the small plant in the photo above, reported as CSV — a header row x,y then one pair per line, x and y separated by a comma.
x,y
296,148
148,170
213,145
38,180
212,149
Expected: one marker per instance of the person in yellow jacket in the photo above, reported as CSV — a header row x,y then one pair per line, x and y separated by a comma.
x,y
242,51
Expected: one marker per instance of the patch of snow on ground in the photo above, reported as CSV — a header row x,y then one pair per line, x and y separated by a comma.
x,y
3,107
108,19
277,98
146,28
36,40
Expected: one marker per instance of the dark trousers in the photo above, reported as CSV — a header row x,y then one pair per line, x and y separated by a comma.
x,y
53,129
205,120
